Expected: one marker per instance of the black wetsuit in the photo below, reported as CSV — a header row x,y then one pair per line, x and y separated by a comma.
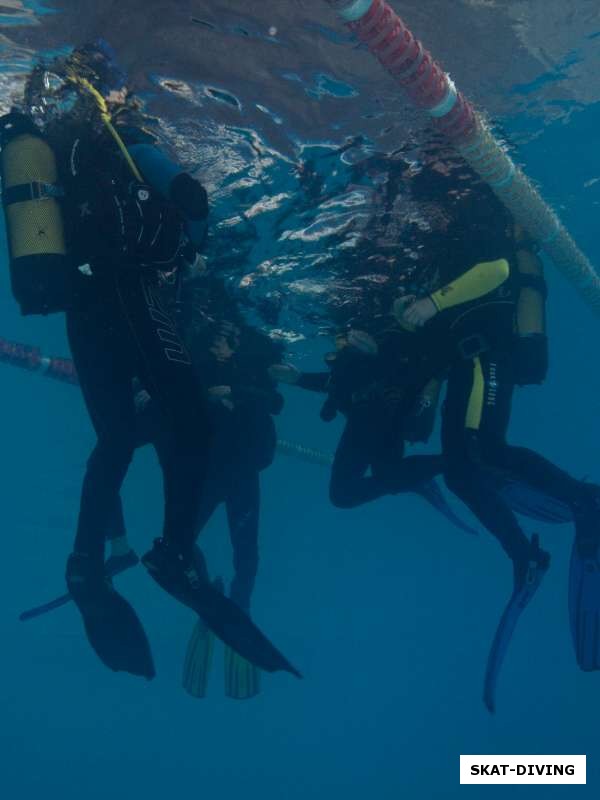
x,y
476,341
370,391
121,330
244,445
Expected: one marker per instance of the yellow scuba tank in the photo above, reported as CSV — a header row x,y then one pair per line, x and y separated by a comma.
x,y
41,273
531,305
531,341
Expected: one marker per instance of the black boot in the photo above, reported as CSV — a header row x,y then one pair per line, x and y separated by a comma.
x,y
530,567
529,572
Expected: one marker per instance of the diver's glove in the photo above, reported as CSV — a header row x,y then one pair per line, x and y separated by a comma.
x,y
531,359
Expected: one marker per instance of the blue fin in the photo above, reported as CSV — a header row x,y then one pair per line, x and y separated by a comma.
x,y
530,502
432,493
520,599
584,593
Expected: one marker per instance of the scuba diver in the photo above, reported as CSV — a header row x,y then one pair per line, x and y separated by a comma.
x,y
232,361
367,382
486,326
91,233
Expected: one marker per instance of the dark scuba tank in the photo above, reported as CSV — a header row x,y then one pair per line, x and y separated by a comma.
x,y
531,348
40,269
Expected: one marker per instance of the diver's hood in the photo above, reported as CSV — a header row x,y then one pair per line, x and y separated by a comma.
x,y
96,62
51,91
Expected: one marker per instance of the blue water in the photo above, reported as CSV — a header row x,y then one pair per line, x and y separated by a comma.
x,y
388,611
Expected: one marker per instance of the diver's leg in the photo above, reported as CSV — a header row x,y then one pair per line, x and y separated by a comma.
x,y
390,467
243,511
535,470
372,438
105,380
475,419
99,347
349,485
166,371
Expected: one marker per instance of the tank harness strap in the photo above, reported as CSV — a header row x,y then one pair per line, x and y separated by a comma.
x,y
528,280
106,119
35,190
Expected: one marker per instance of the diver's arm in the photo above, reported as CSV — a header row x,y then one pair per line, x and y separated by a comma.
x,y
478,281
169,177
312,381
186,193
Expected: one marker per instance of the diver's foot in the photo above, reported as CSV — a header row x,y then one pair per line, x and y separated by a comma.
x,y
185,579
530,570
179,577
87,584
531,566
111,625
117,564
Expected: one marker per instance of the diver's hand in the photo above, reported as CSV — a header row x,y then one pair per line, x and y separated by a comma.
x,y
363,341
419,312
400,306
284,373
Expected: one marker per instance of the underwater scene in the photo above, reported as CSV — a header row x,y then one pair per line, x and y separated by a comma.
x,y
301,455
